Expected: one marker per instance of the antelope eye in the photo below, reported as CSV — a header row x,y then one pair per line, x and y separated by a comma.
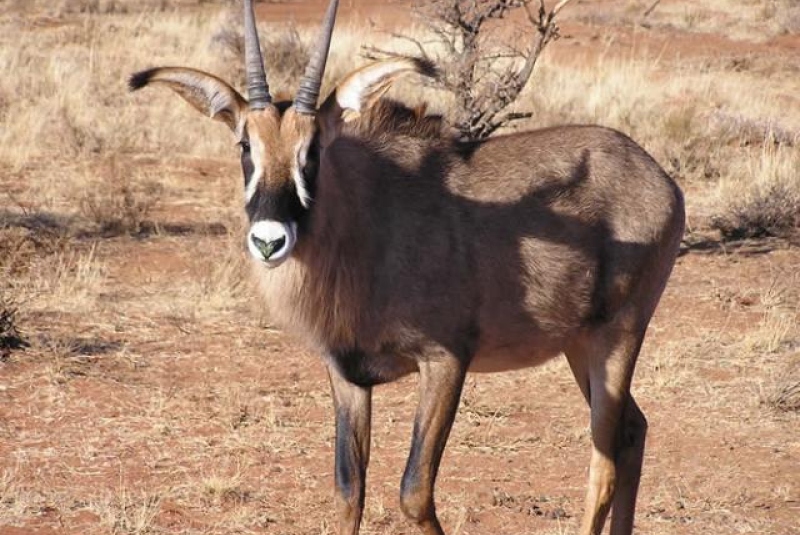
x,y
244,145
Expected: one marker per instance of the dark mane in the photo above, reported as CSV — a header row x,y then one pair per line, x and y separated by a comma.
x,y
389,117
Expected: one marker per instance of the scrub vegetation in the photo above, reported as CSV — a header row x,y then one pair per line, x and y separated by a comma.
x,y
141,390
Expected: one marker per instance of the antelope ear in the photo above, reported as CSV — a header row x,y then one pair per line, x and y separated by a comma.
x,y
361,89
205,92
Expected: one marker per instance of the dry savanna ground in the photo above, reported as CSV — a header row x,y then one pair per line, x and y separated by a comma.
x,y
153,397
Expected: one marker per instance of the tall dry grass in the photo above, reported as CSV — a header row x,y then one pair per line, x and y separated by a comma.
x,y
752,20
761,197
68,101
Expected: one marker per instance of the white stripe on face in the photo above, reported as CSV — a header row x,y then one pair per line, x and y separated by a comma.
x,y
252,185
301,153
256,155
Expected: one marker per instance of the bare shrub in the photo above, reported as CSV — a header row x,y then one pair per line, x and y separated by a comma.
x,y
285,53
786,397
122,209
761,197
485,77
27,236
774,212
784,394
118,203
10,336
16,250
747,131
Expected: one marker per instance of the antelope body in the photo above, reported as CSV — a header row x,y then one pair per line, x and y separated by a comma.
x,y
393,248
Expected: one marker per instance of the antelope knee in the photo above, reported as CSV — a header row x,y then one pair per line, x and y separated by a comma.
x,y
634,432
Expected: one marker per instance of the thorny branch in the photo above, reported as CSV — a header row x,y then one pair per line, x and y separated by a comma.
x,y
485,81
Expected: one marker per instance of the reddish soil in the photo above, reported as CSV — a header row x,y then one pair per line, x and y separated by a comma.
x,y
154,412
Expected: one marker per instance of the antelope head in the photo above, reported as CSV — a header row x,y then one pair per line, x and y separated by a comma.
x,y
279,142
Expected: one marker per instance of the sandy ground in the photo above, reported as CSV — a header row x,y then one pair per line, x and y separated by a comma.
x,y
154,410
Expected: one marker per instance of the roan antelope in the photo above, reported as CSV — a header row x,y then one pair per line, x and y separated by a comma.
x,y
393,248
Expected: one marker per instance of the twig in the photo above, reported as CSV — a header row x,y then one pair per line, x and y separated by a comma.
x,y
650,9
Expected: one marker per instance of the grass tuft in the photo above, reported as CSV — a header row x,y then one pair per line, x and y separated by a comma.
x,y
118,203
771,213
762,198
784,396
10,336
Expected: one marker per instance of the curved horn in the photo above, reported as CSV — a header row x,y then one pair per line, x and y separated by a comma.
x,y
306,100
257,87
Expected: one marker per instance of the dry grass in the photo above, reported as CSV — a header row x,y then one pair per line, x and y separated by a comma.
x,y
756,20
286,52
10,336
763,197
155,400
69,282
702,122
786,395
118,201
129,512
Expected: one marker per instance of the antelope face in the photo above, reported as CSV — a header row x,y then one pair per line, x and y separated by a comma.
x,y
278,167
279,143
275,142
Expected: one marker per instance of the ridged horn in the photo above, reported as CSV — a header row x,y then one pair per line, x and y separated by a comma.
x,y
306,100
257,87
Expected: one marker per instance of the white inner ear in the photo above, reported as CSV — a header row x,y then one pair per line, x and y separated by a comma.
x,y
301,158
205,92
359,86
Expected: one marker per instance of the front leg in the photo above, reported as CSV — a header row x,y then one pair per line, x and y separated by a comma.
x,y
353,405
441,381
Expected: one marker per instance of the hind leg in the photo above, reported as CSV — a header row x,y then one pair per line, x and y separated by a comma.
x,y
603,364
630,455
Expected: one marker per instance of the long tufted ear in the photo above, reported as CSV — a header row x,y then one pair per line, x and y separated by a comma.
x,y
362,88
205,92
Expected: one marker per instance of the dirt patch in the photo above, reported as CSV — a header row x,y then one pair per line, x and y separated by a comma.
x,y
147,413
155,398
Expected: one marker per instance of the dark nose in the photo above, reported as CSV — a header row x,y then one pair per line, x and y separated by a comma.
x,y
267,249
